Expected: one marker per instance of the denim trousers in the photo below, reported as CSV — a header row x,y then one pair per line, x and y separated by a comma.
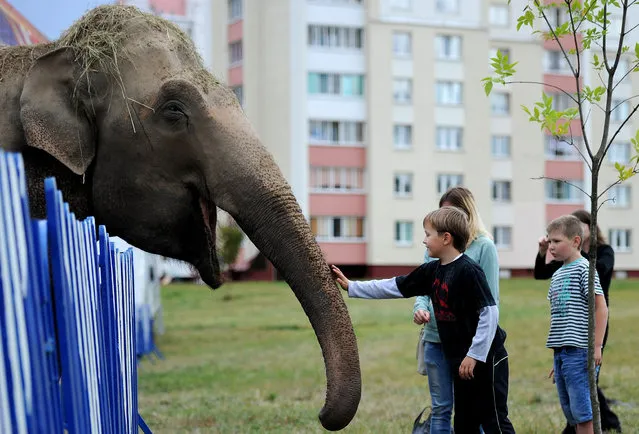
x,y
571,379
440,385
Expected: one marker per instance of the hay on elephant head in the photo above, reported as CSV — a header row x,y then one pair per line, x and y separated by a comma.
x,y
99,41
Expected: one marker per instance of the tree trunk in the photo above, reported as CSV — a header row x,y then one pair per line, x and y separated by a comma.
x,y
592,269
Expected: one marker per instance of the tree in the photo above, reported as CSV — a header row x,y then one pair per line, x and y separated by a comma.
x,y
230,236
590,34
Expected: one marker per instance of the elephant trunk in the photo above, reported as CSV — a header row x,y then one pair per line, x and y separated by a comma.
x,y
273,220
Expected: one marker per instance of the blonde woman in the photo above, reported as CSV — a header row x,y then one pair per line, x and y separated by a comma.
x,y
482,250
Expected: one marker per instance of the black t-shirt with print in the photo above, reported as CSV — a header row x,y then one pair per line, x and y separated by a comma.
x,y
458,291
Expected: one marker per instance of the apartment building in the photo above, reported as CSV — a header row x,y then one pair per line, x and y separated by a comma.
x,y
373,108
192,16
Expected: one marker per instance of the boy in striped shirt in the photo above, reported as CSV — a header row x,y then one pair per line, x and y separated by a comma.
x,y
568,335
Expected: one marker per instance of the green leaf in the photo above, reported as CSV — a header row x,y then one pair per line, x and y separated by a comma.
x,y
488,86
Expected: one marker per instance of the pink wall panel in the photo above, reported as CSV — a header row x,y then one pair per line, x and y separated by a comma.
x,y
338,205
334,156
557,210
562,81
173,7
565,170
235,31
567,42
344,253
235,76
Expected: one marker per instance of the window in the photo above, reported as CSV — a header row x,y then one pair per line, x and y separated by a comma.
x,y
500,146
505,52
501,191
448,138
401,4
335,37
562,148
239,94
499,15
337,179
447,6
554,61
235,53
404,233
503,236
620,239
402,44
235,10
336,132
500,103
559,191
335,84
449,92
620,110
561,101
619,196
402,90
338,228
403,136
448,47
403,186
557,16
619,153
338,2
446,181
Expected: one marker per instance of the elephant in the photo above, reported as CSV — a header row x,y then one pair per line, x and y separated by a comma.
x,y
140,135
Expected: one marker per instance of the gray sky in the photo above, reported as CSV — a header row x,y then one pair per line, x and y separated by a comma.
x,y
52,17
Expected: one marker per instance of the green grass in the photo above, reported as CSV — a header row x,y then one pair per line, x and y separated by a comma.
x,y
244,359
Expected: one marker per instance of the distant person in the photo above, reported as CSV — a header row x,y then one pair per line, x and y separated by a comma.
x,y
481,249
467,317
568,335
605,267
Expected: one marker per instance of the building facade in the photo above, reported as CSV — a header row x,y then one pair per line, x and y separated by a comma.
x,y
192,16
373,108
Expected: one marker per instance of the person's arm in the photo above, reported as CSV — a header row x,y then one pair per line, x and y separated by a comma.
x,y
489,262
601,320
605,260
545,270
410,285
423,302
488,315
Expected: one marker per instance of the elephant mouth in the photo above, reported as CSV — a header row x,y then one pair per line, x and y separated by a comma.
x,y
208,265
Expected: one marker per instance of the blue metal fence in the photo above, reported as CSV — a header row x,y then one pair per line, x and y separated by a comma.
x,y
68,327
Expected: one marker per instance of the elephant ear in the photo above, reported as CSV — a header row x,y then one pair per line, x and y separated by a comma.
x,y
53,114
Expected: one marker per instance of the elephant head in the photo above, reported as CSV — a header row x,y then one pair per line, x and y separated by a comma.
x,y
123,102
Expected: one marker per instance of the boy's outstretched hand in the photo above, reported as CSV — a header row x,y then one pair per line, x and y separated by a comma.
x,y
340,278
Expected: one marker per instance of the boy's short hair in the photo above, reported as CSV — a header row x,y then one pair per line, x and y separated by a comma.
x,y
452,220
567,225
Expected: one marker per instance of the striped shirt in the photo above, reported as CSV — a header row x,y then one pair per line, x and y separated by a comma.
x,y
568,296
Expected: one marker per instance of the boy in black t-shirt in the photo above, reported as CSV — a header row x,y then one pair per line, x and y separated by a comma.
x,y
467,320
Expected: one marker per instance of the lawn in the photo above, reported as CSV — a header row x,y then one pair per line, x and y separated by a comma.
x,y
244,359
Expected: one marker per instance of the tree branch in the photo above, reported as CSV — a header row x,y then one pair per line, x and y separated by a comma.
x,y
544,84
554,35
564,181
576,74
617,182
619,129
630,69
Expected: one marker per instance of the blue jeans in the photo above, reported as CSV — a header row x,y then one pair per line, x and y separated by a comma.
x,y
571,378
440,385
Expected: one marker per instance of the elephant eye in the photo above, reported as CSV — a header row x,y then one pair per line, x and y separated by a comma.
x,y
174,111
